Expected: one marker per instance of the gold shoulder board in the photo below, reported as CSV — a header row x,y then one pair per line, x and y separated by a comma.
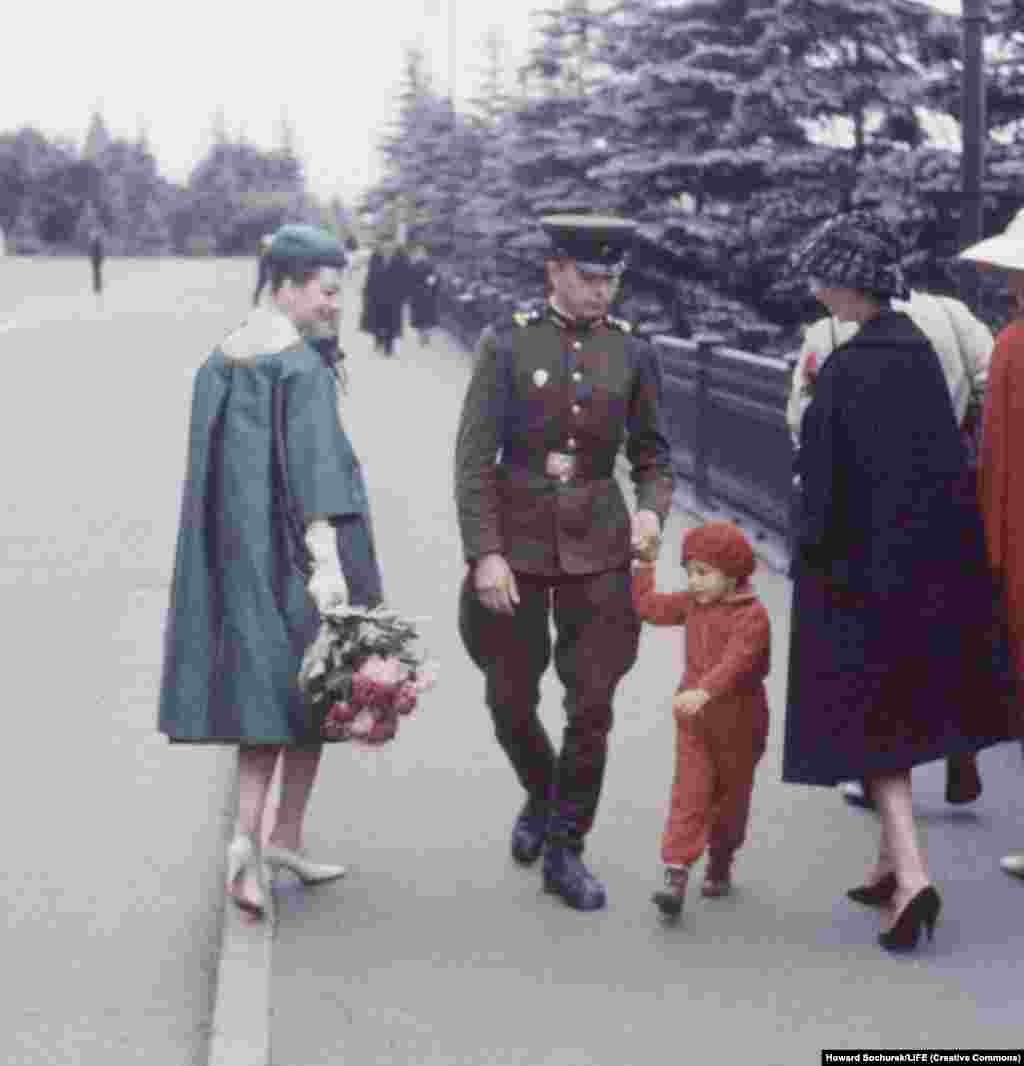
x,y
526,318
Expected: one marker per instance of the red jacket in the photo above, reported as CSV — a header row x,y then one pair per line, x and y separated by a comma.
x,y
727,648
1001,476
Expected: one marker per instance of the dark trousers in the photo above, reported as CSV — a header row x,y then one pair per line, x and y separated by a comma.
x,y
596,636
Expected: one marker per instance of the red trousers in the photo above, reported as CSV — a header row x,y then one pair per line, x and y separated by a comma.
x,y
710,802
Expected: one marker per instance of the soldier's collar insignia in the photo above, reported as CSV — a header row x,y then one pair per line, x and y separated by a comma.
x,y
574,325
619,323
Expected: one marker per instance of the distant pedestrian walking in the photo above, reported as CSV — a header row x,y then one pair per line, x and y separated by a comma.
x,y
274,531
384,294
547,535
897,657
262,268
720,704
424,293
96,257
1001,489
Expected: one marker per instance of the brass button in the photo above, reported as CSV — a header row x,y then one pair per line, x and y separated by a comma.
x,y
577,345
577,376
576,408
571,442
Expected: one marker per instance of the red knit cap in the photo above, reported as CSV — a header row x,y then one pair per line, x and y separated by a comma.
x,y
721,545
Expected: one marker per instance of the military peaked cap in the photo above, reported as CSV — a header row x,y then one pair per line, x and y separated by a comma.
x,y
598,243
296,244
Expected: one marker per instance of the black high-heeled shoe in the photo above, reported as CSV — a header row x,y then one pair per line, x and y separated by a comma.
x,y
922,910
876,894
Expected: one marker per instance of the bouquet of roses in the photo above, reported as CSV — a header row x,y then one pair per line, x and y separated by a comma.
x,y
363,672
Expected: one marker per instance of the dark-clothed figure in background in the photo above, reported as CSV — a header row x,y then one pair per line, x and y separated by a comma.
x,y
384,294
547,535
262,268
1000,488
896,655
274,529
424,293
96,257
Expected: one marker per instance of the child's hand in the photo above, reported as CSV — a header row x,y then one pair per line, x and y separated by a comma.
x,y
689,702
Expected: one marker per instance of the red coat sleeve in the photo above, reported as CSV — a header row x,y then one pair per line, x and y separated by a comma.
x,y
999,469
746,656
658,608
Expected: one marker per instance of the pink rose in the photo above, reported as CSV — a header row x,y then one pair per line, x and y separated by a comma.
x,y
341,712
383,730
405,698
382,671
334,730
361,725
811,366
426,676
363,690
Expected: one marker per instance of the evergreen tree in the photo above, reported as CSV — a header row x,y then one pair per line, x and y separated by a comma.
x,y
23,237
97,138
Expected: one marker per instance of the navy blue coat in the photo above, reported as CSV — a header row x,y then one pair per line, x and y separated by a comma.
x,y
897,656
267,454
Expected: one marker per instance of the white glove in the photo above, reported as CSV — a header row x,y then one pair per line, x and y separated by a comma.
x,y
327,585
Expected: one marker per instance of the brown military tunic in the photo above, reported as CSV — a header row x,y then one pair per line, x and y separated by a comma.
x,y
544,387
539,387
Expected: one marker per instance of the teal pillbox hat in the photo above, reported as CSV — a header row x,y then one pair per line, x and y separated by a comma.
x,y
301,245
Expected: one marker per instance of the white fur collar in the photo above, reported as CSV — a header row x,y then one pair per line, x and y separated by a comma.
x,y
265,332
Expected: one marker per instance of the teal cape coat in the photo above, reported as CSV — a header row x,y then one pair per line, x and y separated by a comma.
x,y
267,454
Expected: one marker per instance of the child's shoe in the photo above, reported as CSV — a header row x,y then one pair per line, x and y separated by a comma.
x,y
670,899
717,878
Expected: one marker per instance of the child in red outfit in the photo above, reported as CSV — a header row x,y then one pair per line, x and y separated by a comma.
x,y
720,706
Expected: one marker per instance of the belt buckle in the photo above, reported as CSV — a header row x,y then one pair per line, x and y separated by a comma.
x,y
559,465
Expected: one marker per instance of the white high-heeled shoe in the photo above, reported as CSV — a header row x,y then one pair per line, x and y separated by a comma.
x,y
1013,863
307,871
244,860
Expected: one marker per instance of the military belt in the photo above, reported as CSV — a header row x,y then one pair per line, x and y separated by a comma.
x,y
560,466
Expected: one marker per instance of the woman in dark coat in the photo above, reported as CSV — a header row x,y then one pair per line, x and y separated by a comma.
x,y
423,293
384,293
896,658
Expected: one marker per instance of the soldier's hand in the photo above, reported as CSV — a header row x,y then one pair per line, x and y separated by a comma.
x,y
646,535
496,584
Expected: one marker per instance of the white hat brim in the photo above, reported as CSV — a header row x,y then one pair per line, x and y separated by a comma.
x,y
1006,253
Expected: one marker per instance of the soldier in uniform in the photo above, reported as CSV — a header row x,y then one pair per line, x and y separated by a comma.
x,y
547,534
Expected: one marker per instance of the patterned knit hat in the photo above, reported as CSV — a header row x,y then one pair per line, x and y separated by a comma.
x,y
721,545
859,250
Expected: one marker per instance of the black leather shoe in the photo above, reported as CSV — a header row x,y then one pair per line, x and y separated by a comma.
x,y
963,782
856,795
566,876
921,912
529,833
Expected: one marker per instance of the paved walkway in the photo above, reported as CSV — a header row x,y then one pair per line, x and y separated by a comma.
x,y
435,949
113,843
438,950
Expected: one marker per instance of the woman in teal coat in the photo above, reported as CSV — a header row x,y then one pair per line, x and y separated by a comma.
x,y
275,528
